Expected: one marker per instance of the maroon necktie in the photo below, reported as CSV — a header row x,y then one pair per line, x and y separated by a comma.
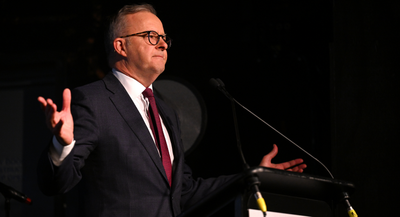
x,y
158,133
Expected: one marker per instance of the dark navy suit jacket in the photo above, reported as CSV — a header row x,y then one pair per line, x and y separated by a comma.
x,y
118,161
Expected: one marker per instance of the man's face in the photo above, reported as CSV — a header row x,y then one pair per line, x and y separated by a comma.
x,y
144,60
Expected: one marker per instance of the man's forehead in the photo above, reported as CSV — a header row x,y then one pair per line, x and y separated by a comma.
x,y
143,18
144,21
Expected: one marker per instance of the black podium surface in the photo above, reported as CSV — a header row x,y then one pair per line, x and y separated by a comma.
x,y
299,184
272,181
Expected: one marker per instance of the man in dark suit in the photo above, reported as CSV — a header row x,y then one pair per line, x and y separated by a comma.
x,y
107,137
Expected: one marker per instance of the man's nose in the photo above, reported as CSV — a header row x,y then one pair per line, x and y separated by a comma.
x,y
162,45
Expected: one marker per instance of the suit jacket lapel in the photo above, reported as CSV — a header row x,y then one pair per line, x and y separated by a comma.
x,y
123,103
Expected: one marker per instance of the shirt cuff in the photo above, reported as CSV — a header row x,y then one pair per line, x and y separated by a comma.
x,y
59,152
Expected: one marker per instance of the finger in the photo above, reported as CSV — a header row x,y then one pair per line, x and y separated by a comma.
x,y
286,166
66,100
294,169
302,166
295,162
273,152
51,108
297,168
42,102
289,165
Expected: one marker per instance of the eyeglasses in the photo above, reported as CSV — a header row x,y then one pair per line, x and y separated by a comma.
x,y
153,37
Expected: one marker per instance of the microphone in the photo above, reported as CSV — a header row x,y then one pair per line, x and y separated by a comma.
x,y
217,83
213,82
10,192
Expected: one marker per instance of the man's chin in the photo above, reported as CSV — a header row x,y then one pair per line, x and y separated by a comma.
x,y
156,73
159,70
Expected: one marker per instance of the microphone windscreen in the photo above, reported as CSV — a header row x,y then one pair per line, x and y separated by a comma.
x,y
221,84
213,82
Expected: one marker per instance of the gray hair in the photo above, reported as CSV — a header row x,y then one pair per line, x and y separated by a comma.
x,y
118,24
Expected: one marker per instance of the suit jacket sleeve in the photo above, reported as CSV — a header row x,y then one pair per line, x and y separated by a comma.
x,y
54,180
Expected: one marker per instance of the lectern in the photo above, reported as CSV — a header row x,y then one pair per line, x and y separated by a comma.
x,y
280,187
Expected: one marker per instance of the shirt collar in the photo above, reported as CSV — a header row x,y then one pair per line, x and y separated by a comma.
x,y
131,85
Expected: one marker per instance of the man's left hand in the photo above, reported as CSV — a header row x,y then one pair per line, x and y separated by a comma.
x,y
296,165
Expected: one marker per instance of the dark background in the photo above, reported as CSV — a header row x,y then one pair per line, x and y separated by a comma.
x,y
324,73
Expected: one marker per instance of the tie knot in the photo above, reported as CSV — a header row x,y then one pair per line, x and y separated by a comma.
x,y
148,93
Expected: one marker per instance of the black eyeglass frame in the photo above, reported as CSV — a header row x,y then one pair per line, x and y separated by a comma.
x,y
166,38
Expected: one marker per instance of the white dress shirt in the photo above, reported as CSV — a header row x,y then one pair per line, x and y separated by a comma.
x,y
135,89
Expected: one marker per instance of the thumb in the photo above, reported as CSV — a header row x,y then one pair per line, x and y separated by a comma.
x,y
66,100
61,135
273,152
266,160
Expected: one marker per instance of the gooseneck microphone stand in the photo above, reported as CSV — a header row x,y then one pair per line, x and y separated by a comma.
x,y
9,193
252,182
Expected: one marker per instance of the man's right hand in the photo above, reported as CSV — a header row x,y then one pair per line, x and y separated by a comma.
x,y
60,123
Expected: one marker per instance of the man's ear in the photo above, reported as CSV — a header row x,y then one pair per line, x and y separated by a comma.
x,y
120,46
